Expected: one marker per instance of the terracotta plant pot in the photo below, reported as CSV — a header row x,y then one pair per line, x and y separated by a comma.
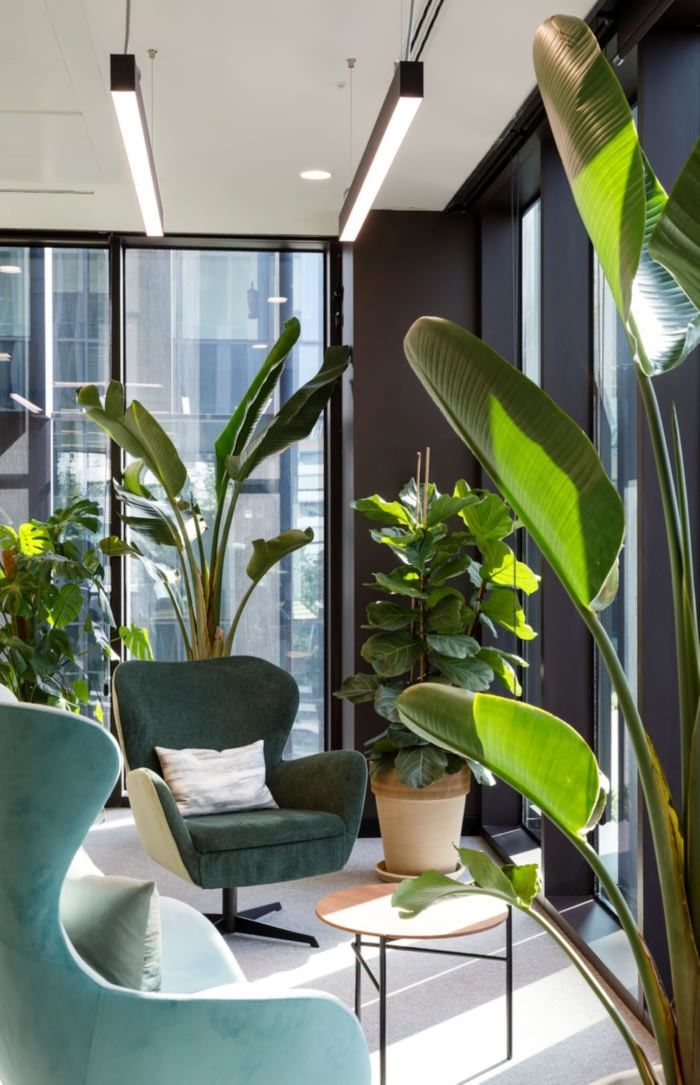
x,y
420,826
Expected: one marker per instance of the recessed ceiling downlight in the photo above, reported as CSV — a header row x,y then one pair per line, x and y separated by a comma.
x,y
10,269
316,175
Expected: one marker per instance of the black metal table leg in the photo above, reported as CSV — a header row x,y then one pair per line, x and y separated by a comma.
x,y
382,1011
509,983
358,978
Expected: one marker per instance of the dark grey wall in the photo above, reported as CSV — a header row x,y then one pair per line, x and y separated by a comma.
x,y
404,265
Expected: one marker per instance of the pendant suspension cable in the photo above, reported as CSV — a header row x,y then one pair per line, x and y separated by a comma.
x,y
127,30
410,31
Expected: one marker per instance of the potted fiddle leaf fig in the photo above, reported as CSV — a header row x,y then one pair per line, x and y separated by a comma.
x,y
648,244
51,595
457,577
160,506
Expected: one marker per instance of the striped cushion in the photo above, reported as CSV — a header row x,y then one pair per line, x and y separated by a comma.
x,y
213,782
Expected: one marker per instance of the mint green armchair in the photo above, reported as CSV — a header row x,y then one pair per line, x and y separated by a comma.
x,y
60,1022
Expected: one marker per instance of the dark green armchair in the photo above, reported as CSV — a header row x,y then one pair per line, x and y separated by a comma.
x,y
218,704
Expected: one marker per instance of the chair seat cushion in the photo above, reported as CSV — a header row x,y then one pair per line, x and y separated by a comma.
x,y
261,828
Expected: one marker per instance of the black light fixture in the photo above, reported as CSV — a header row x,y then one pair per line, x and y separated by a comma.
x,y
400,107
128,103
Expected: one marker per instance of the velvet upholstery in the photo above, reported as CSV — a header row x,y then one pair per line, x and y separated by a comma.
x,y
62,1024
221,703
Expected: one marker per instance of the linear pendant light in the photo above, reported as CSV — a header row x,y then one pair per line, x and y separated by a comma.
x,y
128,103
400,107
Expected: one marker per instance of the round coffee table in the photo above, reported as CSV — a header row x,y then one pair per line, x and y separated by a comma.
x,y
367,911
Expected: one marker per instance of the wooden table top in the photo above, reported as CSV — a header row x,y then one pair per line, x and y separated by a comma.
x,y
367,909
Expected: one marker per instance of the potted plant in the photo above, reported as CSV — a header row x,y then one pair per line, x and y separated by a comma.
x,y
426,631
51,593
648,244
159,505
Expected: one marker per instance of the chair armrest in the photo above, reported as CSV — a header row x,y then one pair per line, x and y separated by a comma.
x,y
194,956
334,782
161,826
225,1036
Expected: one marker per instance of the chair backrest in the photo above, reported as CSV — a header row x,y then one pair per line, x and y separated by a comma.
x,y
56,771
208,703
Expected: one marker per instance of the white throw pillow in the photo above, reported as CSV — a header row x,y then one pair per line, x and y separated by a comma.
x,y
213,782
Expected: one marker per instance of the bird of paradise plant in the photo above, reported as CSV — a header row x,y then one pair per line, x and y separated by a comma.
x,y
648,244
158,504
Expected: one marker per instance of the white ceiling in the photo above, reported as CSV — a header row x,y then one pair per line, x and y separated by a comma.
x,y
246,97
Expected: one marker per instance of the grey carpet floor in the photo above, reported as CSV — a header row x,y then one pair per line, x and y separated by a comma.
x,y
446,1016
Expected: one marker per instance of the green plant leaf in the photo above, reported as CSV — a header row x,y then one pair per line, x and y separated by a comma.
x,y
500,566
131,479
33,538
66,606
383,512
442,508
155,519
268,552
505,672
391,653
389,616
385,703
618,197
445,617
515,885
502,606
295,419
545,466
488,520
675,241
139,434
533,751
418,766
597,140
359,688
445,568
81,690
136,641
520,883
401,581
458,646
234,436
472,674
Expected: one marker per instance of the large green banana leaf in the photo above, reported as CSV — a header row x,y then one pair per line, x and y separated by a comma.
x,y
618,197
543,464
234,436
295,419
533,751
675,242
135,430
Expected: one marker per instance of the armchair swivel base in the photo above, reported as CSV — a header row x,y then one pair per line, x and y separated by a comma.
x,y
231,921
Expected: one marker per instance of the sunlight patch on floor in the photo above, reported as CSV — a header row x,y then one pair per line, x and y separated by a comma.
x,y
472,1046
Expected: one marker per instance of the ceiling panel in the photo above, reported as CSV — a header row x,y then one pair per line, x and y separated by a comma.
x,y
244,96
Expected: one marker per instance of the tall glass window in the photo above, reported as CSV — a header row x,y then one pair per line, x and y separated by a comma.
x,y
531,362
54,336
616,438
198,326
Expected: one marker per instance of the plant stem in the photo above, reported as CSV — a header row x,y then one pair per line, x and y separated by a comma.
x,y
667,849
660,1012
219,560
669,501
228,643
642,1063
